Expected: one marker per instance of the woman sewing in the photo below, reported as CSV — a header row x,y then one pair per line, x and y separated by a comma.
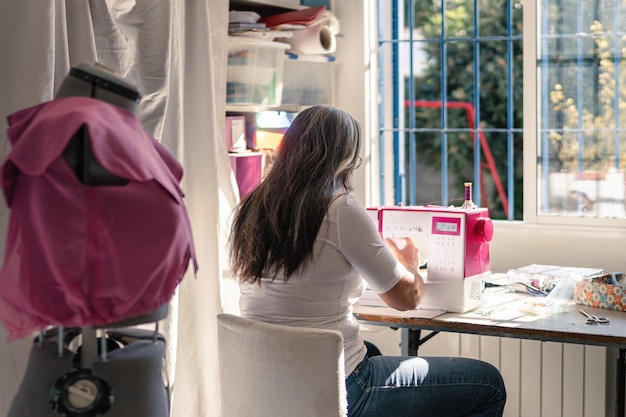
x,y
304,249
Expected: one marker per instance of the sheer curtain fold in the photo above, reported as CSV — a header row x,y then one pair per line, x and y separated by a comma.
x,y
134,38
175,51
76,33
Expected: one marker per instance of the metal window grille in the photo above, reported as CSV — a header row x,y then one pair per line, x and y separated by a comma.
x,y
398,108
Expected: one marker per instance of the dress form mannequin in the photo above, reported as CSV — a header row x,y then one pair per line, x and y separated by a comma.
x,y
100,201
100,380
99,82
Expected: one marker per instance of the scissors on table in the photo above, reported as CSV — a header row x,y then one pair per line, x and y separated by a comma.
x,y
593,319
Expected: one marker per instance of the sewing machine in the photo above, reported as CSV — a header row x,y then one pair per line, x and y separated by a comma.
x,y
454,250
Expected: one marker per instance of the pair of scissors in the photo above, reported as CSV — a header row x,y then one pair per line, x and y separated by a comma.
x,y
593,319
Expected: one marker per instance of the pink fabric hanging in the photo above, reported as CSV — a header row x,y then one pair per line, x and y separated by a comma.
x,y
89,255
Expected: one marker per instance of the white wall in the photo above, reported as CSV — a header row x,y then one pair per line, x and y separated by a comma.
x,y
517,244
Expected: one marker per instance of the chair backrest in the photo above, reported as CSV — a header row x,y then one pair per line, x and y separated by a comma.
x,y
279,371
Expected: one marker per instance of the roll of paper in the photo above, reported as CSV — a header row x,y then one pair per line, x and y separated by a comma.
x,y
314,40
329,20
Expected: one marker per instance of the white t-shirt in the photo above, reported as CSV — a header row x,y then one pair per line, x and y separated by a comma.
x,y
347,250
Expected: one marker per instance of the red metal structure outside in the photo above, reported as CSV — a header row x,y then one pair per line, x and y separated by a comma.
x,y
489,163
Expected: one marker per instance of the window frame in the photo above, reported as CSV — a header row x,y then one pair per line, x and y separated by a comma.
x,y
531,108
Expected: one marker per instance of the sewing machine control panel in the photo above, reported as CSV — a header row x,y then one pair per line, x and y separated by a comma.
x,y
445,248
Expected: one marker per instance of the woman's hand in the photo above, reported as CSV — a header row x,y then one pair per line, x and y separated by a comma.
x,y
409,255
409,291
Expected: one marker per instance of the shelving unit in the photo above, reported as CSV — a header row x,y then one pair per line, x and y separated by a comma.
x,y
301,81
250,93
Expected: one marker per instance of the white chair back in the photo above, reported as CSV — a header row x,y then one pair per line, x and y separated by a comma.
x,y
279,371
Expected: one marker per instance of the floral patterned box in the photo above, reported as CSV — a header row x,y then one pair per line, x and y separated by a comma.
x,y
604,291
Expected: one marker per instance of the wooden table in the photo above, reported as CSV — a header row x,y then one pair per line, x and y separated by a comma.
x,y
509,320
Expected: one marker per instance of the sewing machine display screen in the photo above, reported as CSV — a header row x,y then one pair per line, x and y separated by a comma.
x,y
446,226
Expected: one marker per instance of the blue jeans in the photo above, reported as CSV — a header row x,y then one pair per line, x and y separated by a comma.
x,y
397,386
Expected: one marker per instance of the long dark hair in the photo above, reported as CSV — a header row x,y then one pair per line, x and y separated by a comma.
x,y
275,226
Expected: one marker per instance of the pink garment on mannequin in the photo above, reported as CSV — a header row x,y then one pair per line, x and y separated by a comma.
x,y
89,255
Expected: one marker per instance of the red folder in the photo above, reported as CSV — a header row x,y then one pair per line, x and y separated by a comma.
x,y
297,17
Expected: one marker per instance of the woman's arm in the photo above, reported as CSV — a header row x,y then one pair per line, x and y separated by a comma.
x,y
390,271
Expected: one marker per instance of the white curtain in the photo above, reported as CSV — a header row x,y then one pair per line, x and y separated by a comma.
x,y
175,51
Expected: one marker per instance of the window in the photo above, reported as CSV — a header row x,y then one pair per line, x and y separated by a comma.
x,y
582,119
454,107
